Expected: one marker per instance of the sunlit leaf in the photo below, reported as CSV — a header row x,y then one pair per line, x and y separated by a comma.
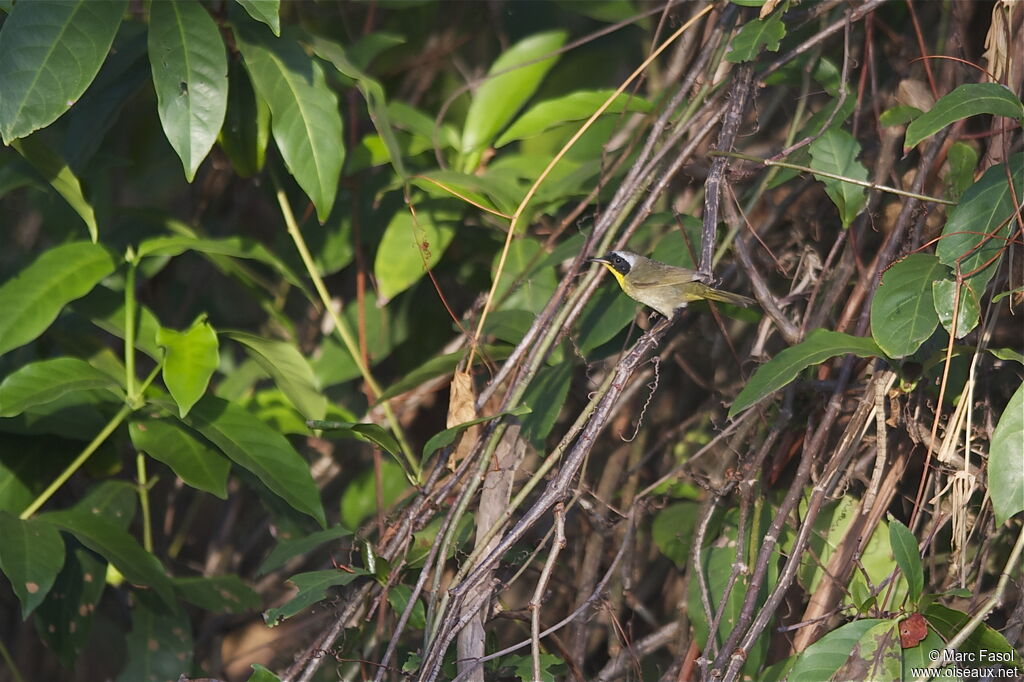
x,y
56,172
41,382
51,51
190,76
289,369
836,152
32,299
192,460
190,359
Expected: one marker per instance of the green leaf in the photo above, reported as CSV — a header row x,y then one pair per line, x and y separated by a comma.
x,y
898,115
64,619
359,501
408,249
234,247
398,597
836,152
605,315
533,284
373,93
246,130
312,588
438,366
32,299
192,460
105,309
672,531
545,396
819,346
31,556
116,546
967,308
218,594
904,549
51,51
190,74
253,445
1006,460
967,100
903,311
286,550
304,112
948,622
962,159
289,369
975,234
755,35
875,656
190,359
522,666
576,106
448,436
374,433
265,11
261,674
822,659
498,98
38,383
159,645
116,501
60,176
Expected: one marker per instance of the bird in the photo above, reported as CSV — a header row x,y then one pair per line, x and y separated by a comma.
x,y
666,288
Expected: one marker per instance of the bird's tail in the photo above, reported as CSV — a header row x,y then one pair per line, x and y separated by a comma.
x,y
727,297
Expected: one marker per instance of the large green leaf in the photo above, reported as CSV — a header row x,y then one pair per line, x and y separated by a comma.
x,y
987,644
304,111
159,645
836,152
52,167
190,74
1006,460
31,556
251,444
192,460
286,550
190,359
235,247
50,52
497,99
903,311
820,345
545,396
605,315
975,234
822,659
576,106
289,369
408,249
116,546
32,299
41,382
313,587
266,11
875,656
907,555
64,619
218,594
967,100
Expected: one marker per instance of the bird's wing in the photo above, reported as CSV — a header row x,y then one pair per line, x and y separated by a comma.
x,y
666,276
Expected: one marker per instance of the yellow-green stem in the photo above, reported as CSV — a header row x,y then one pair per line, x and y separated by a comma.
x,y
147,531
344,333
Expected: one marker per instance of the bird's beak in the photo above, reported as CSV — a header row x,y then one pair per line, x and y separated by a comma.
x,y
599,260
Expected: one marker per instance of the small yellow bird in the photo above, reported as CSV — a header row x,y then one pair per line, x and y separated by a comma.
x,y
666,288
